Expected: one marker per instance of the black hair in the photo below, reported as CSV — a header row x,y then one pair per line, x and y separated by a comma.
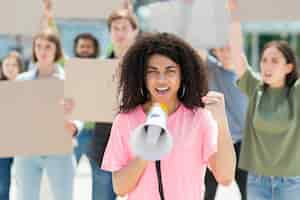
x,y
132,85
87,36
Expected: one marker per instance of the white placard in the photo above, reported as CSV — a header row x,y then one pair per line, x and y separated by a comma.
x,y
205,23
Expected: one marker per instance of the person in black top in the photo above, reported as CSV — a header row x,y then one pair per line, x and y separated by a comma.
x,y
123,29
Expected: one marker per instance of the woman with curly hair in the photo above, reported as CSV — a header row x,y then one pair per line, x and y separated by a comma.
x,y
161,68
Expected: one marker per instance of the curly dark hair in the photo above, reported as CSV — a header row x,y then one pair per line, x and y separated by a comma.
x,y
132,84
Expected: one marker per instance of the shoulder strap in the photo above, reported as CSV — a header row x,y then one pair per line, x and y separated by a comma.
x,y
160,185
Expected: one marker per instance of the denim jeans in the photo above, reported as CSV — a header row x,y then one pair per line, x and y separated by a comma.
x,y
5,175
102,188
83,143
59,169
273,188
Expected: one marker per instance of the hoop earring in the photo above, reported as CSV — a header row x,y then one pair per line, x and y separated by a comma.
x,y
182,92
142,92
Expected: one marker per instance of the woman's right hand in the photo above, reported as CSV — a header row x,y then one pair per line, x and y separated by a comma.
x,y
48,9
232,5
233,8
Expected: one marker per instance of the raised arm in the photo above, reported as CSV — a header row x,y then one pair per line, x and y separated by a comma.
x,y
127,4
236,40
223,162
48,21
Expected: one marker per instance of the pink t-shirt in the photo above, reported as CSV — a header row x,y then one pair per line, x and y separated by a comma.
x,y
194,141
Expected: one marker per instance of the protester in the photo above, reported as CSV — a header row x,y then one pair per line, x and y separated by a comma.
x,y
223,79
59,168
271,144
11,66
162,68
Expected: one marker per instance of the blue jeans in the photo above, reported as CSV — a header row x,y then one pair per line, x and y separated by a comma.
x,y
60,171
5,173
273,188
102,188
83,143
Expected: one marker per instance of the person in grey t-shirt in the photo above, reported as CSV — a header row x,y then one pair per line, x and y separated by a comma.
x,y
223,79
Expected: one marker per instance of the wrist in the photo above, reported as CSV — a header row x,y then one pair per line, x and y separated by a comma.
x,y
235,16
142,161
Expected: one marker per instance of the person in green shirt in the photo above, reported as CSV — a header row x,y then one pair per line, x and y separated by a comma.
x,y
271,144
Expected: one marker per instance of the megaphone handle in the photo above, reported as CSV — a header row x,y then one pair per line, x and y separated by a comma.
x,y
160,185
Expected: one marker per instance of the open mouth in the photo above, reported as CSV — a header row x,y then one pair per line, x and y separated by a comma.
x,y
162,90
267,75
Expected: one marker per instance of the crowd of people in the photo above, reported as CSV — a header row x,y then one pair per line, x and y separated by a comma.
x,y
228,123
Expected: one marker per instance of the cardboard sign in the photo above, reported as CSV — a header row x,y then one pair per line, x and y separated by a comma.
x,y
204,24
32,120
269,10
87,9
20,17
92,85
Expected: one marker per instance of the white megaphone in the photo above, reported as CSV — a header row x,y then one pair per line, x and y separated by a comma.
x,y
151,140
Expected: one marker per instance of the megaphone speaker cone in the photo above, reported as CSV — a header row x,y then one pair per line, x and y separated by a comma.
x,y
150,146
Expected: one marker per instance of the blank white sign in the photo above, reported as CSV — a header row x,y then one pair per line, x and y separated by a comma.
x,y
204,24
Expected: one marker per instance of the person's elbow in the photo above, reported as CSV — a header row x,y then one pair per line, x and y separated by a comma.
x,y
119,193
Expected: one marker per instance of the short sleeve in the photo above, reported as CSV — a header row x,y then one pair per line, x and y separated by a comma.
x,y
249,82
79,125
116,154
209,129
212,63
297,88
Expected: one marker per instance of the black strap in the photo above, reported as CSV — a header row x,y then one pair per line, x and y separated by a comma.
x,y
160,185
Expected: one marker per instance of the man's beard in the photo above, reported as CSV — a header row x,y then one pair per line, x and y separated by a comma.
x,y
85,56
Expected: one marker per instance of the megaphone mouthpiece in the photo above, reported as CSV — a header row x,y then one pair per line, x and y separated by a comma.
x,y
152,134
